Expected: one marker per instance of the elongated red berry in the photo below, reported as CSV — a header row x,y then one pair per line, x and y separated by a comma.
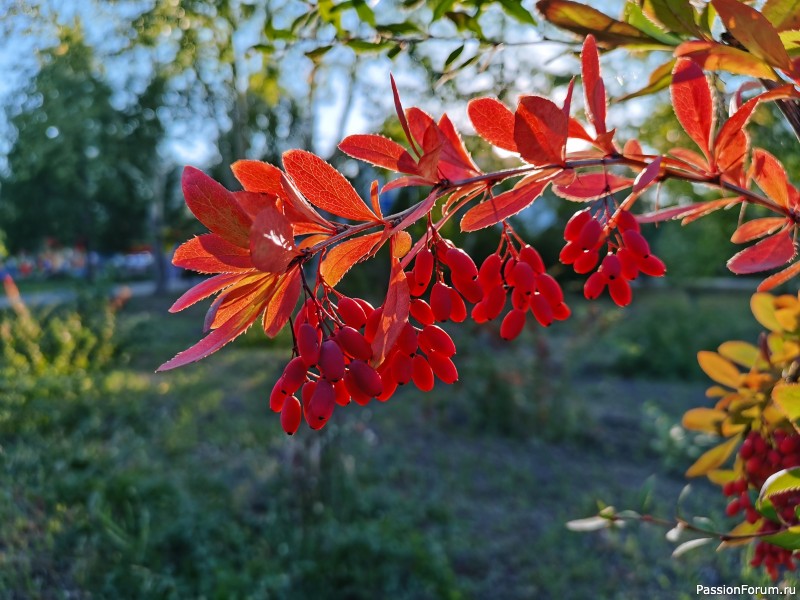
x,y
611,266
291,415
308,344
353,343
323,401
620,291
356,393
523,277
389,388
586,261
458,310
371,328
366,378
570,253
306,392
489,274
629,263
590,234
519,299
461,262
441,301
294,374
512,324
342,396
421,311
422,373
478,312
352,313
469,288
541,310
634,240
626,221
331,361
561,312
436,339
443,367
423,268
594,285
402,368
652,265
530,256
495,300
277,397
407,342
548,287
415,288
575,225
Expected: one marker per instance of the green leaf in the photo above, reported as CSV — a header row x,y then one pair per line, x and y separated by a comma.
x,y
789,539
659,79
783,14
786,480
633,15
515,9
395,29
465,22
364,47
453,56
763,308
441,8
365,13
584,20
676,15
317,54
741,353
787,397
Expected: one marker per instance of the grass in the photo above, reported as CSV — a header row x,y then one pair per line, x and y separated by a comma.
x,y
181,485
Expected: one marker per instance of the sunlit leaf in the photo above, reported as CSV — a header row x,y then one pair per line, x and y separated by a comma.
x,y
540,131
209,253
703,419
712,56
769,253
282,304
591,186
693,103
783,14
751,230
493,210
272,242
753,31
787,397
215,207
719,369
493,121
395,312
713,458
341,258
379,151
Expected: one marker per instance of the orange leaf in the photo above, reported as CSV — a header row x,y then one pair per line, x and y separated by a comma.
x,y
401,115
703,419
209,253
714,458
272,242
455,162
593,87
258,176
493,122
341,258
591,186
298,210
250,291
215,207
395,312
379,151
719,369
690,211
767,254
203,290
493,210
540,131
719,57
770,176
282,304
325,186
753,31
693,102
778,278
757,228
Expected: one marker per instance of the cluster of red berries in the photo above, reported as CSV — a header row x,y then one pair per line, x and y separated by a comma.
x,y
761,458
628,253
514,269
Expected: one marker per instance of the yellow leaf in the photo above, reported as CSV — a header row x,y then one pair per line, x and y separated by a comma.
x,y
719,369
741,531
787,398
730,428
713,458
703,419
722,476
741,353
789,318
763,307
716,391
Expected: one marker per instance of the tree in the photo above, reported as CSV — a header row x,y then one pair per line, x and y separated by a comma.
x,y
93,162
260,240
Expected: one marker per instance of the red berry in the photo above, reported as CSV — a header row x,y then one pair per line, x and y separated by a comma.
x,y
626,220
512,324
494,301
366,378
356,393
389,388
323,400
423,268
478,313
732,508
594,286
489,273
352,313
421,311
342,397
652,265
294,374
541,310
276,397
629,263
519,299
523,277
575,224
436,339
308,344
422,373
441,301
620,291
458,310
561,312
461,262
530,256
634,240
402,368
589,235
353,343
549,288
443,367
407,342
469,288
331,361
291,414
586,261
371,328
570,253
611,266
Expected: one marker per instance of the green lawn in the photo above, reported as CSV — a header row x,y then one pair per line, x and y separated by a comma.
x,y
128,484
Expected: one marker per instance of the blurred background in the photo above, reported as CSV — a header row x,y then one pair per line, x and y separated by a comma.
x,y
119,483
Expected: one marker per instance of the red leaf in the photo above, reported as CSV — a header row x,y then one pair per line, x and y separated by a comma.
x,y
395,312
258,176
209,253
591,186
203,290
719,57
325,186
757,228
455,162
215,340
493,122
215,207
375,199
340,259
423,126
402,182
507,204
379,151
301,214
272,242
767,254
753,31
250,291
540,131
647,176
691,159
593,87
282,304
693,211
693,102
254,202
577,131
770,176
398,107
778,278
